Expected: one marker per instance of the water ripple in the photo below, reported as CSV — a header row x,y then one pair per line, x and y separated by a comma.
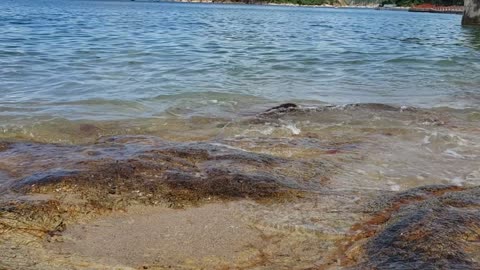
x,y
52,52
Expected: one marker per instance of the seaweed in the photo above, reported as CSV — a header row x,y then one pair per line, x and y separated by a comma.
x,y
171,174
432,227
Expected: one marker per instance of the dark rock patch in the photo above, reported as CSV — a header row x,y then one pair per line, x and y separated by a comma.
x,y
88,129
280,110
282,107
202,168
434,227
4,146
137,170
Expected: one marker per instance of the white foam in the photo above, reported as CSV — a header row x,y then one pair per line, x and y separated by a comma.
x,y
293,128
266,131
229,146
395,187
451,153
361,171
458,181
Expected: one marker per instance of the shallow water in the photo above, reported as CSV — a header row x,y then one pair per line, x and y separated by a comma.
x,y
341,164
76,72
105,105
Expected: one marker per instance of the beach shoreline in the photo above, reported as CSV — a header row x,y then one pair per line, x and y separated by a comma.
x,y
302,185
439,9
266,4
187,136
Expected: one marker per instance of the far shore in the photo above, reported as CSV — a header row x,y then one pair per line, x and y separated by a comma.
x,y
264,4
376,7
276,4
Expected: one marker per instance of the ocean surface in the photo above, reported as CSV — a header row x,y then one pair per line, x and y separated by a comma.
x,y
124,108
67,61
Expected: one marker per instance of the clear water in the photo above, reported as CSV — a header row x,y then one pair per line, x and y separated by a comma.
x,y
104,60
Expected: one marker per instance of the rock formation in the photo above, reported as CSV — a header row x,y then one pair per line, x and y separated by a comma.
x,y
471,16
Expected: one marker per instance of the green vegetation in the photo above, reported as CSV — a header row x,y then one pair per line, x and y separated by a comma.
x,y
295,2
400,3
408,3
306,2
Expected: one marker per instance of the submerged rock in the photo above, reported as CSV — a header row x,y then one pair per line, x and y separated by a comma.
x,y
330,187
145,170
376,107
313,111
194,170
279,110
4,146
434,227
283,107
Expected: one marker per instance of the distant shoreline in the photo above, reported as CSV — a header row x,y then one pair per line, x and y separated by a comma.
x,y
260,4
375,7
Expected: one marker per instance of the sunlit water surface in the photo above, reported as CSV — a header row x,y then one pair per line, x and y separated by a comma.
x,y
88,85
116,60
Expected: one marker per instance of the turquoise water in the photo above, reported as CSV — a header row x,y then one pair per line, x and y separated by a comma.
x,y
104,60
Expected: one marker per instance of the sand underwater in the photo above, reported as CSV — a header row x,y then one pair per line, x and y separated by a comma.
x,y
361,186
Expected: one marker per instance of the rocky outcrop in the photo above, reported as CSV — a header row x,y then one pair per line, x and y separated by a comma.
x,y
434,227
120,171
359,186
471,15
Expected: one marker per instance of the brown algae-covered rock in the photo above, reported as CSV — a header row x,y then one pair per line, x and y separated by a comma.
x,y
124,171
192,171
435,227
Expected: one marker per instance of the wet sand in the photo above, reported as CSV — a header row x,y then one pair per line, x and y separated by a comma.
x,y
143,236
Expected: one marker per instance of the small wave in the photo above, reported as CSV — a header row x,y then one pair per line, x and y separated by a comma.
x,y
344,107
457,181
292,127
453,154
404,60
209,95
100,102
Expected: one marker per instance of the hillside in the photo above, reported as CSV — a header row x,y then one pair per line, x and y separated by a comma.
x,y
402,3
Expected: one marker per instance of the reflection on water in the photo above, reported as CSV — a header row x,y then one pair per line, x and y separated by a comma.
x,y
472,35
